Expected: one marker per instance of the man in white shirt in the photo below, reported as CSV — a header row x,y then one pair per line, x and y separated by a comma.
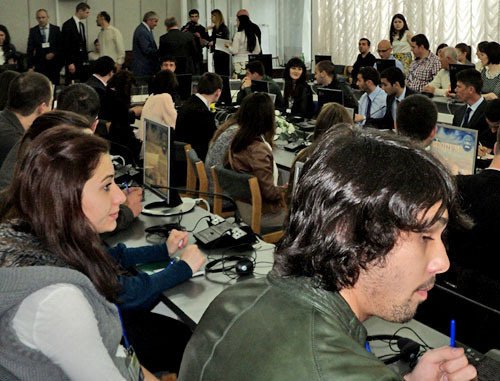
x,y
384,50
110,40
441,82
372,104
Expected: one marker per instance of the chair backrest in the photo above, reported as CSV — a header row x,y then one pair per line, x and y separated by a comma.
x,y
239,186
196,172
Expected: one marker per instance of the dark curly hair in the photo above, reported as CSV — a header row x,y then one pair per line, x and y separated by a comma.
x,y
356,193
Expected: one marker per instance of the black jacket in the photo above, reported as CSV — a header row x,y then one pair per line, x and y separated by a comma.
x,y
303,104
36,54
476,122
179,44
195,125
387,121
74,47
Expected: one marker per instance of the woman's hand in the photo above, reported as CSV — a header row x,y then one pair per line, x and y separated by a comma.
x,y
176,240
193,257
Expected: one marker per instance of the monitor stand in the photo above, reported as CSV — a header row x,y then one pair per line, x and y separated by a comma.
x,y
162,209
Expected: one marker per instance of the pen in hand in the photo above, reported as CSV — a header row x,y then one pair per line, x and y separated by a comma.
x,y
126,187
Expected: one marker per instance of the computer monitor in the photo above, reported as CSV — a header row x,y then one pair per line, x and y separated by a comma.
x,y
384,64
318,58
457,147
158,156
259,86
351,112
225,96
454,70
184,85
266,59
329,95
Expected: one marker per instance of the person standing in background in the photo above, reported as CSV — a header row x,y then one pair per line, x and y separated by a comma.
x,y
110,40
200,37
255,27
219,30
400,38
145,50
74,42
44,47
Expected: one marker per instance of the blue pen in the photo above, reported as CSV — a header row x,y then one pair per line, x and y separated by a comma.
x,y
367,346
126,187
452,333
171,262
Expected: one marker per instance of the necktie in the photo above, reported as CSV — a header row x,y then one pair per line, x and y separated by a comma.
x,y
369,108
465,121
82,31
44,34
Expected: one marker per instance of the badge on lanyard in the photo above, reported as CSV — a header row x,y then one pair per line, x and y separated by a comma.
x,y
45,45
133,365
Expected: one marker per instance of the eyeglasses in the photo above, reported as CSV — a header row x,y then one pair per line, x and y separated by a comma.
x,y
383,51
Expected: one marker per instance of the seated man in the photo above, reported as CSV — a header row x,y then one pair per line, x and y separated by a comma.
x,y
441,82
373,102
325,76
492,115
373,250
168,63
416,118
384,50
471,115
195,123
102,70
255,71
425,66
365,58
393,83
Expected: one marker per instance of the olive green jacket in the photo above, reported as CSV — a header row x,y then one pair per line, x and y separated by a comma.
x,y
280,329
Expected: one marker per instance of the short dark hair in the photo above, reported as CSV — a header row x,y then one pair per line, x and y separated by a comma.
x,y
5,79
256,67
441,46
492,110
328,67
481,46
164,82
80,98
471,77
209,83
365,39
370,74
105,15
355,194
421,40
393,75
82,6
492,50
193,12
416,117
103,66
464,48
27,91
167,58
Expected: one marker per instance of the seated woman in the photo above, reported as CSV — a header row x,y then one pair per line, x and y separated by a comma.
x,y
60,281
297,94
331,114
464,53
251,152
491,71
245,42
115,108
160,105
7,50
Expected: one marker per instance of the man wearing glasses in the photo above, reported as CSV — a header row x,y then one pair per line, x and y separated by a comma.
x,y
384,50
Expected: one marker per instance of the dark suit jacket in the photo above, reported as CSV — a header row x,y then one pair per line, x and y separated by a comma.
x,y
98,86
387,121
74,48
36,54
192,28
476,122
179,44
195,125
145,52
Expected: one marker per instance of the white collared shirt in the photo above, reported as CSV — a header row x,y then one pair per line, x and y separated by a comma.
x,y
47,31
147,26
104,83
395,103
474,107
377,110
77,21
207,103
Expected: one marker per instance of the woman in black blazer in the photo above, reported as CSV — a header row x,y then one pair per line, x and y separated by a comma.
x,y
298,94
219,30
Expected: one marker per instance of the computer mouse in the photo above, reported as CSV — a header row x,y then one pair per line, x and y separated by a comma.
x,y
244,267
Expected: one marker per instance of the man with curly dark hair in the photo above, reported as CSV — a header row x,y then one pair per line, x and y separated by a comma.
x,y
363,238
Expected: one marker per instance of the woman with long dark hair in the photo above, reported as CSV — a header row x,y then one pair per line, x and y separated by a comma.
x,y
219,30
297,94
245,42
464,52
251,152
7,50
400,37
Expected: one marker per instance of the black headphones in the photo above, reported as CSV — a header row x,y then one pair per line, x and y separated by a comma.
x,y
243,265
409,350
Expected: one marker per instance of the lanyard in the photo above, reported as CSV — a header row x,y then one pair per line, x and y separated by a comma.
x,y
127,345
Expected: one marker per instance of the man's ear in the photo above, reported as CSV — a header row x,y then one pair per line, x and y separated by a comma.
x,y
94,125
495,149
433,133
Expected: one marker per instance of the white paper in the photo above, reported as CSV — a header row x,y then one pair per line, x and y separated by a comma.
x,y
219,45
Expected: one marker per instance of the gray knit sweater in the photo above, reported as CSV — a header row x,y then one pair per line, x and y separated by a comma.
x,y
17,283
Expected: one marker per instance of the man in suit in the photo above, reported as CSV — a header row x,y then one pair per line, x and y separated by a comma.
x,y
44,47
195,123
74,42
178,44
416,118
471,115
393,83
102,70
145,51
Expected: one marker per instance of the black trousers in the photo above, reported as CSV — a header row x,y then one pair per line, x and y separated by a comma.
x,y
158,340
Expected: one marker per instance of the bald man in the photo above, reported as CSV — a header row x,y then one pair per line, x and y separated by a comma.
x,y
384,50
255,26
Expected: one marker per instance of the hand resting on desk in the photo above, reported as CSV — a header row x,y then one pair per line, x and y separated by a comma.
x,y
191,255
443,364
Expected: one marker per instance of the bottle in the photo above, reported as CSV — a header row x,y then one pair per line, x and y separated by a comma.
x,y
302,58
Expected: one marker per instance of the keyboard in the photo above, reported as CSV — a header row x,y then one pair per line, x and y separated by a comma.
x,y
488,367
